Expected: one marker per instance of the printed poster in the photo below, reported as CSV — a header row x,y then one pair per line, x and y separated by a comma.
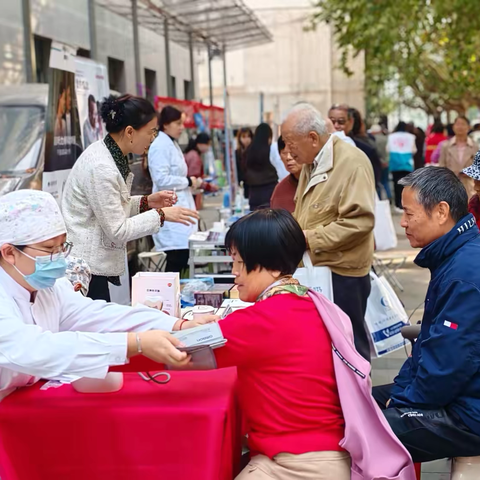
x,y
91,85
63,143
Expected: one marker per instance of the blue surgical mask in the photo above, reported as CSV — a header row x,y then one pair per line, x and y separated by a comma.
x,y
48,269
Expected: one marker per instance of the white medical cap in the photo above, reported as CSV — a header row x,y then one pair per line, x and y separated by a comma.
x,y
28,217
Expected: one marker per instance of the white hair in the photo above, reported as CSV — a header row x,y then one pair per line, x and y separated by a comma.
x,y
308,119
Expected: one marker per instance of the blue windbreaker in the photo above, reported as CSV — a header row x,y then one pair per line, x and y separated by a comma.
x,y
444,369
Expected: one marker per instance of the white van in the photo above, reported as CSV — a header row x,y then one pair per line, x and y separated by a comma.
x,y
22,136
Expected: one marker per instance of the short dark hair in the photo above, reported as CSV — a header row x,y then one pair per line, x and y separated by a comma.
x,y
168,115
340,106
357,121
462,117
270,239
401,127
127,110
91,99
435,185
200,139
281,144
438,127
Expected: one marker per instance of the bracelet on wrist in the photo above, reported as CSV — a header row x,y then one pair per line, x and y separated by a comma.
x,y
162,216
139,343
181,325
144,204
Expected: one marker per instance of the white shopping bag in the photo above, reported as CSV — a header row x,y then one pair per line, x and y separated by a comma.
x,y
384,230
385,317
316,278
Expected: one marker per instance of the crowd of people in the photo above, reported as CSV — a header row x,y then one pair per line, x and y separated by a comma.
x,y
303,362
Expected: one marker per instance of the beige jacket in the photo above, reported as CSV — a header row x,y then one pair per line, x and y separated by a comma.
x,y
335,205
450,158
449,155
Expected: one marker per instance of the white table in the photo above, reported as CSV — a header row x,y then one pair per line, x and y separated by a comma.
x,y
212,253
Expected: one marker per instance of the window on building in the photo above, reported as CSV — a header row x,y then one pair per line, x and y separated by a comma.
x,y
42,57
187,85
116,75
150,84
174,86
82,52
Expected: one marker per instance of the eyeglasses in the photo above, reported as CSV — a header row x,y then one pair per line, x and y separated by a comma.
x,y
66,249
340,121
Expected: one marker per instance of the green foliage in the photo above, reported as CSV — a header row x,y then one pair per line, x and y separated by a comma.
x,y
430,48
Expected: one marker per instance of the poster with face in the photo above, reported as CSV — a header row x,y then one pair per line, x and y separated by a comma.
x,y
91,84
63,141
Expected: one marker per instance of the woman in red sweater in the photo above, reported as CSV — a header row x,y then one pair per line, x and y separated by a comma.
x,y
436,136
284,193
287,387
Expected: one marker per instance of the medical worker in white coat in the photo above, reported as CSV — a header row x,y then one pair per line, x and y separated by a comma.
x,y
169,171
47,330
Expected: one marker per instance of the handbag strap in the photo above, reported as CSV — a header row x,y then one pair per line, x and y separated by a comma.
x,y
307,261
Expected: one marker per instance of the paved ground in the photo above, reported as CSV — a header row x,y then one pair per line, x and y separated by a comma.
x,y
414,281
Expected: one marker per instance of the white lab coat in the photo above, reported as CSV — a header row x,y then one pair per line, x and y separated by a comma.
x,y
341,134
169,171
53,337
276,161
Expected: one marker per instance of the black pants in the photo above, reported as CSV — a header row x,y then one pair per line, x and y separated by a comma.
x,y
177,260
398,189
351,295
98,288
428,434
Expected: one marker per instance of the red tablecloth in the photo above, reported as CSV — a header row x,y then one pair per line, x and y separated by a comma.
x,y
187,429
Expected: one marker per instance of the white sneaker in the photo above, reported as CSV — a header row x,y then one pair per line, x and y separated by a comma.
x,y
398,211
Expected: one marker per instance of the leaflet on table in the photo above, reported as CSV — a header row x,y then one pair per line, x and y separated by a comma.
x,y
158,290
232,305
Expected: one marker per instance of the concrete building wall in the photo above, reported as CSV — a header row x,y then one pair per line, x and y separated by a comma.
x,y
67,21
299,65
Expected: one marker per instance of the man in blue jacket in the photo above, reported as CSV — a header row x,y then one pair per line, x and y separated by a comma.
x,y
434,405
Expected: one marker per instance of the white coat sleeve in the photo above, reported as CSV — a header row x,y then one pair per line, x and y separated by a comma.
x,y
135,205
31,350
160,163
105,199
86,315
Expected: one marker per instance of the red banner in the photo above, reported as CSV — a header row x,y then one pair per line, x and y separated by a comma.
x,y
213,117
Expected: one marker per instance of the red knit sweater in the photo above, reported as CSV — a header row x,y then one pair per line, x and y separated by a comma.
x,y
287,387
474,208
284,194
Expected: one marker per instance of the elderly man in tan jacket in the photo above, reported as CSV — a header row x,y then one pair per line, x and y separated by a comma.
x,y
335,205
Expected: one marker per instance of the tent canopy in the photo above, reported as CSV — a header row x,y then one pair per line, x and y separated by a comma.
x,y
221,23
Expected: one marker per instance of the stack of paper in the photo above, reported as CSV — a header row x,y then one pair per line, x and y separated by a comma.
x,y
198,338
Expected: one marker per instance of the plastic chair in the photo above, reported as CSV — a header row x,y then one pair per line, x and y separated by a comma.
x,y
465,468
388,265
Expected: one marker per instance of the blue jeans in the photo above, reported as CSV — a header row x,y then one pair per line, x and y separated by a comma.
x,y
385,181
